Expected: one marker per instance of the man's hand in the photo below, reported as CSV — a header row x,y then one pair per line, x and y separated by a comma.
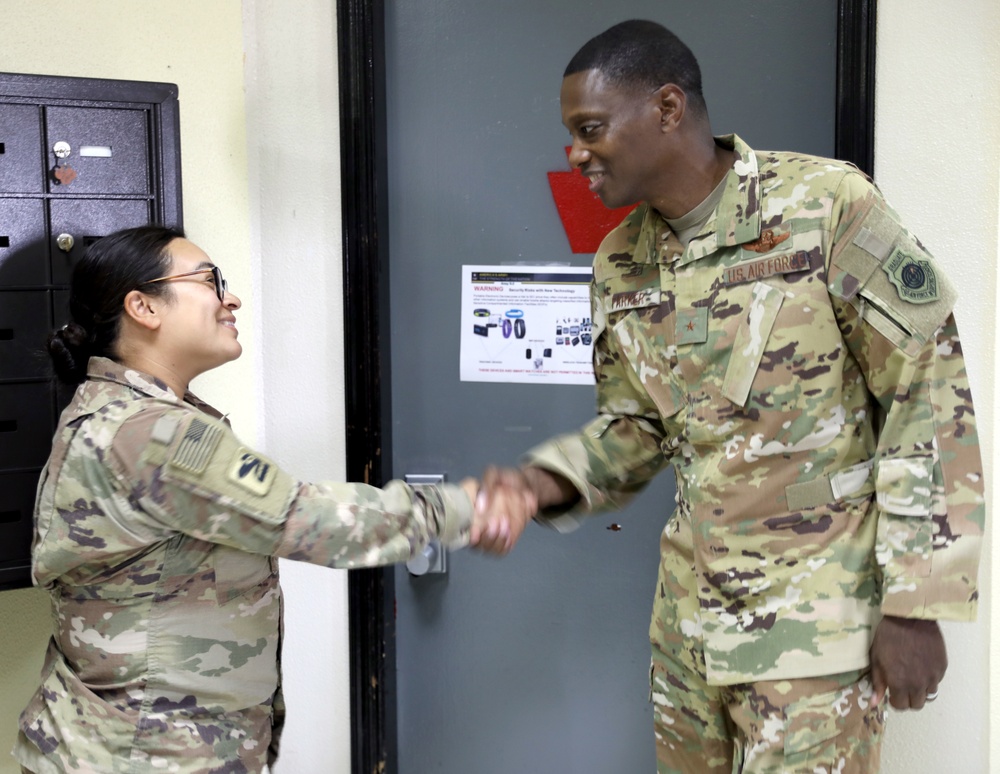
x,y
504,506
908,659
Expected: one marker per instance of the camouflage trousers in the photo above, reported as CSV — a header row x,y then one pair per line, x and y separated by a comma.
x,y
820,725
816,725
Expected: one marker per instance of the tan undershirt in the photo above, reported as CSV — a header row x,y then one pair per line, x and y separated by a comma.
x,y
686,227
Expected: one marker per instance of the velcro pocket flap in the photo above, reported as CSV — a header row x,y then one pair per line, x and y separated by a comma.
x,y
911,291
237,572
861,251
652,364
751,337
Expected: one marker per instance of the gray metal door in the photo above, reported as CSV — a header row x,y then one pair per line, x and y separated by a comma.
x,y
537,662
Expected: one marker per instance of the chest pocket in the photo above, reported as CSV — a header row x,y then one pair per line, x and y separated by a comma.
x,y
239,573
751,339
640,320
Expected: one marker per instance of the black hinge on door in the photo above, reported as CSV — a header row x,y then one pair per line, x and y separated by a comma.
x,y
855,130
371,593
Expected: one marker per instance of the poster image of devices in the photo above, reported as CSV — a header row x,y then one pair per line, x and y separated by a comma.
x,y
526,324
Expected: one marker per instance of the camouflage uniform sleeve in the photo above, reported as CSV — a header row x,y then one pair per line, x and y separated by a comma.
x,y
894,308
611,458
189,473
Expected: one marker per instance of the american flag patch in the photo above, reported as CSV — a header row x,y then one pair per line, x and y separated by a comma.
x,y
196,447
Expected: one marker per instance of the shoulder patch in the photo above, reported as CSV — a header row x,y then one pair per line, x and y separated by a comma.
x,y
253,473
196,447
909,291
208,460
915,279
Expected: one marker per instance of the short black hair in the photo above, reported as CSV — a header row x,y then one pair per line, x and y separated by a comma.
x,y
641,54
110,269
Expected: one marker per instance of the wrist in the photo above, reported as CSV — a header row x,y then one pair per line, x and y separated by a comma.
x,y
550,489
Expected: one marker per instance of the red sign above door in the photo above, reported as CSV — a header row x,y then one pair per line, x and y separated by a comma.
x,y
584,217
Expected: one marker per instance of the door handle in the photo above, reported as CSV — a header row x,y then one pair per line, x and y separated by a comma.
x,y
433,558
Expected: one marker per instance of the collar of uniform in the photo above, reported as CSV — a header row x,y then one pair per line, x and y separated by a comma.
x,y
736,220
646,242
656,242
738,217
107,370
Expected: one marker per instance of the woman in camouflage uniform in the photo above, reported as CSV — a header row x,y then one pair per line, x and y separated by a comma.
x,y
157,531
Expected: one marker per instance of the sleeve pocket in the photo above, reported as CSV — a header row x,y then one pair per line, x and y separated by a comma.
x,y
905,530
905,485
748,348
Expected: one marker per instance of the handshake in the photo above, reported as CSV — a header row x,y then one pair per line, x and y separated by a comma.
x,y
507,499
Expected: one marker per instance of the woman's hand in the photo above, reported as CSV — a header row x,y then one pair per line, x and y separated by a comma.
x,y
505,504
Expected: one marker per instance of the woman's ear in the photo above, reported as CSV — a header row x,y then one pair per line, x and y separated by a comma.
x,y
140,309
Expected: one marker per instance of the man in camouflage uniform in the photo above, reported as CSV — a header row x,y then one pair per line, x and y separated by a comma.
x,y
156,532
765,325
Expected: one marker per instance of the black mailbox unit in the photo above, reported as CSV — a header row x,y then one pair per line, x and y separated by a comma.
x,y
79,158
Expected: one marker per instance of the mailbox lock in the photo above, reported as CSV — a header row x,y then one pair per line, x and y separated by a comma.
x,y
62,149
65,242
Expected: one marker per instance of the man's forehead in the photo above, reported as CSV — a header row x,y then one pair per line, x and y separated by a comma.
x,y
587,81
593,91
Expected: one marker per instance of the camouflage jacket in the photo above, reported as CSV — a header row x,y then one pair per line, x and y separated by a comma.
x,y
799,367
156,532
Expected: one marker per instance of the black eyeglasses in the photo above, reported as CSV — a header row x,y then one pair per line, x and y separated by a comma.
x,y
221,286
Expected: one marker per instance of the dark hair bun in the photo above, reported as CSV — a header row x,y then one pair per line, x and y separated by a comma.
x,y
70,347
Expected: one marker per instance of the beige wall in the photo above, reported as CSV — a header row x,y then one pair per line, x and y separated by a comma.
x,y
293,135
199,47
255,213
938,162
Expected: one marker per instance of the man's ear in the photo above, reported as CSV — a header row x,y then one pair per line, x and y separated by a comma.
x,y
672,106
142,310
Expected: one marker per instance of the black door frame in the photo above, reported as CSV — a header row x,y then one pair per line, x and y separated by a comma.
x,y
364,180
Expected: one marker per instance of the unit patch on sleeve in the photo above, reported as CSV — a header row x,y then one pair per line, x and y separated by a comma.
x,y
253,473
914,278
196,447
